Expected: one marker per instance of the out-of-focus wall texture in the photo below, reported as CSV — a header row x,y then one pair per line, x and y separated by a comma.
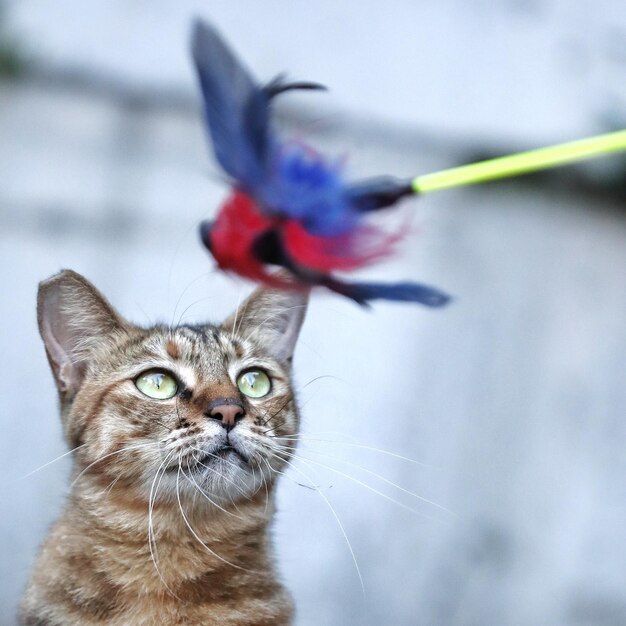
x,y
511,403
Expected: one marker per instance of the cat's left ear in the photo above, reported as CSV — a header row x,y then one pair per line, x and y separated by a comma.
x,y
75,323
272,318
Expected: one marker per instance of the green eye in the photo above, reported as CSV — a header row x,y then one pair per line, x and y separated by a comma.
x,y
157,384
254,383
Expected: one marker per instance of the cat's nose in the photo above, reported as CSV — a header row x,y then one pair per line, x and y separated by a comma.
x,y
228,410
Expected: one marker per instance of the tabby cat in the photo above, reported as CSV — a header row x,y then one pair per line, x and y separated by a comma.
x,y
178,435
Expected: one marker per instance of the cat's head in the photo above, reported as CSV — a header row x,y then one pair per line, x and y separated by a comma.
x,y
183,409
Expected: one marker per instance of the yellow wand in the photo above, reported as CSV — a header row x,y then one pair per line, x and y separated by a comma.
x,y
521,163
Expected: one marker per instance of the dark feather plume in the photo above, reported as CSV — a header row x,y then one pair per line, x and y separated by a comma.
x,y
236,108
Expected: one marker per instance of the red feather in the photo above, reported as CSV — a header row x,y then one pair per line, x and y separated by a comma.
x,y
345,252
237,226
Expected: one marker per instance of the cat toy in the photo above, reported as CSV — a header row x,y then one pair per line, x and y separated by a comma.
x,y
291,207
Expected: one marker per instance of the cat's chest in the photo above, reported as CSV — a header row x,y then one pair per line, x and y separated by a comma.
x,y
269,609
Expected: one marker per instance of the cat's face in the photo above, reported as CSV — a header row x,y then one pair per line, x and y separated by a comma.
x,y
198,412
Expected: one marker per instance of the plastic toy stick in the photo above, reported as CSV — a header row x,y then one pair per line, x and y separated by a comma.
x,y
521,163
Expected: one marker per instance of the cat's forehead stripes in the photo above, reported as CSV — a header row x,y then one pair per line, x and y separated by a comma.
x,y
202,352
216,338
171,347
208,350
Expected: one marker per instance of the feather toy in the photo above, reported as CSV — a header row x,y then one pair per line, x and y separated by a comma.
x,y
290,207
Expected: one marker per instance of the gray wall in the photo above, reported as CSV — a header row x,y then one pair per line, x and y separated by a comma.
x,y
511,403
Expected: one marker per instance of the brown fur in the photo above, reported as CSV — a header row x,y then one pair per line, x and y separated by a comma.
x,y
209,557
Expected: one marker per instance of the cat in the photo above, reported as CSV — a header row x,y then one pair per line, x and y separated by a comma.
x,y
179,434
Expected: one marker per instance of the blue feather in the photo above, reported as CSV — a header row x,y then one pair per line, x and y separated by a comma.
x,y
236,109
307,189
363,293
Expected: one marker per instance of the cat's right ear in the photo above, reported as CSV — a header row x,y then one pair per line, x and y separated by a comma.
x,y
272,318
74,322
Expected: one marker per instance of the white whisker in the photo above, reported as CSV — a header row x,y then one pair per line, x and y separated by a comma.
x,y
51,462
267,493
220,474
198,301
307,461
343,531
106,456
151,534
232,334
184,291
379,477
302,437
193,532
192,480
236,329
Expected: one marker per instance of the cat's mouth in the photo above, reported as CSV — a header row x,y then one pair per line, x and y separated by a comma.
x,y
203,460
226,452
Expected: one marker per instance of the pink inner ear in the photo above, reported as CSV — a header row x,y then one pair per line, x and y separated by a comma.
x,y
59,344
272,317
286,336
70,377
73,318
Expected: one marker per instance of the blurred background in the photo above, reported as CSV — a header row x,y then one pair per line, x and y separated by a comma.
x,y
506,411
